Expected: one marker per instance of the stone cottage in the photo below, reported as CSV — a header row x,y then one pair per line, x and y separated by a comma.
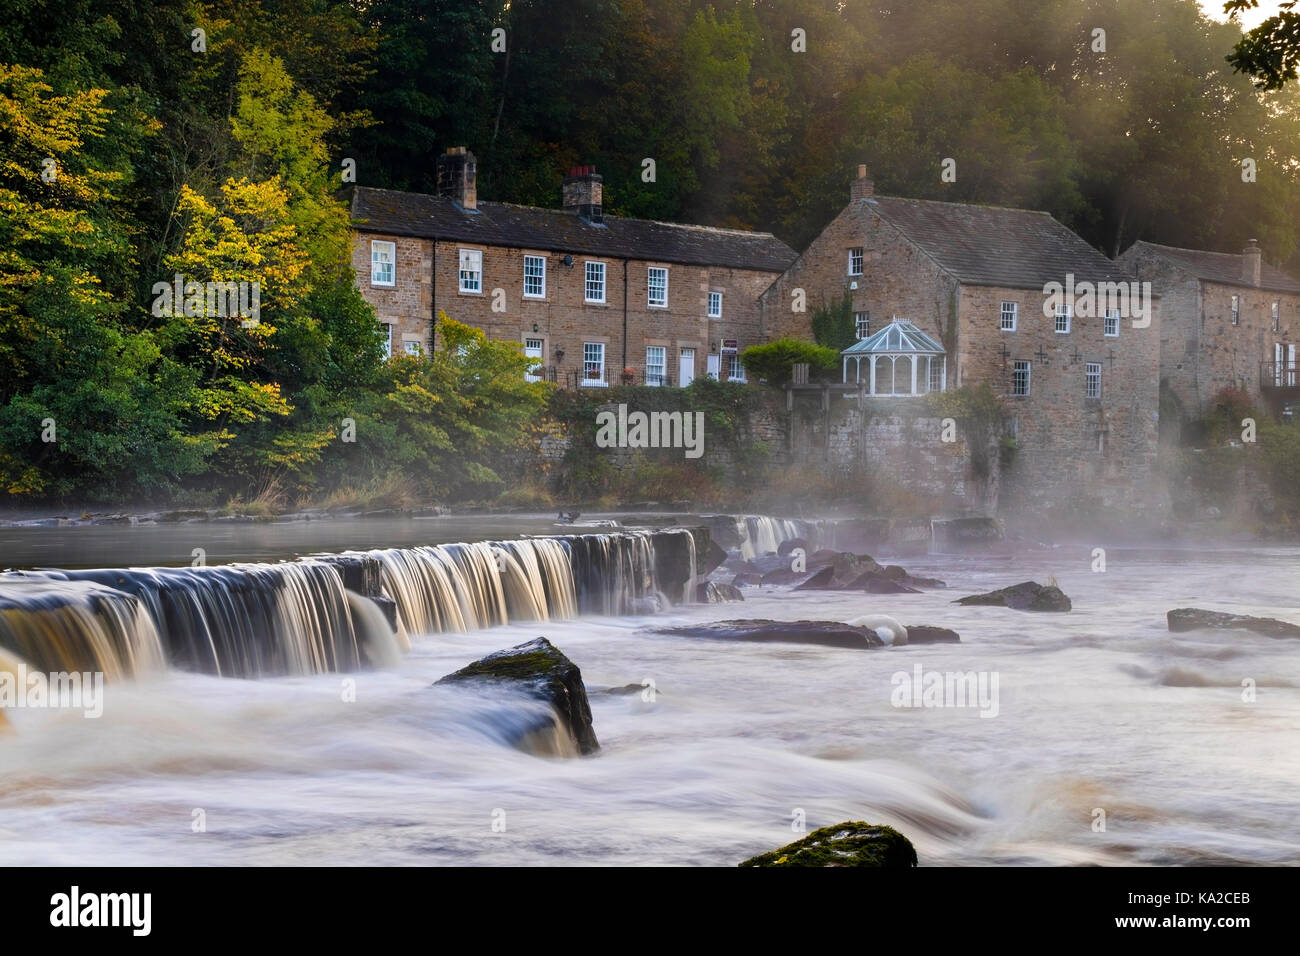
x,y
596,299
1227,322
1009,298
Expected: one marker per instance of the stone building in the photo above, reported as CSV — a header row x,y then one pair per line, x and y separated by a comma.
x,y
1016,301
597,299
1227,322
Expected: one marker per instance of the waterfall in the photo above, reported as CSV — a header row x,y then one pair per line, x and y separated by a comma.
x,y
761,534
298,617
241,620
64,626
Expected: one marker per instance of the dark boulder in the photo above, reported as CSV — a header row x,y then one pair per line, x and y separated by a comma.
x,y
874,583
783,576
789,544
1026,596
817,581
923,634
1196,619
542,670
714,592
844,844
825,633
710,560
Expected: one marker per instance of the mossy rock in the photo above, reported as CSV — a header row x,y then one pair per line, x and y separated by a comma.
x,y
844,844
542,669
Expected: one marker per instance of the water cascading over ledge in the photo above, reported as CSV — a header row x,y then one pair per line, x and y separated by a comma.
x,y
318,614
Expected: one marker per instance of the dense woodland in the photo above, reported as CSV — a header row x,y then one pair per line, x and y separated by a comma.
x,y
218,155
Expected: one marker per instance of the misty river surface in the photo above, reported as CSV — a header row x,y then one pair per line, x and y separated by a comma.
x,y
1099,709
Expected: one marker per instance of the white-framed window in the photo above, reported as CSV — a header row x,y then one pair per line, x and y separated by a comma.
x,y
534,277
656,287
593,363
1062,319
412,348
656,365
1020,378
715,305
1010,312
735,370
1277,314
1112,323
1236,309
595,284
471,270
862,324
387,328
1092,380
855,261
383,263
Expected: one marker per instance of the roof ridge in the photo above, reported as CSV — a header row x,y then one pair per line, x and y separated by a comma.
x,y
756,233
969,205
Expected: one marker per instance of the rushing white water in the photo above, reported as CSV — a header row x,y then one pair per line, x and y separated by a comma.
x,y
1100,708
761,534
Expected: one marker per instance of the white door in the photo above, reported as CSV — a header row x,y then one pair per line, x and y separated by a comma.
x,y
1290,364
533,349
1278,362
714,366
687,372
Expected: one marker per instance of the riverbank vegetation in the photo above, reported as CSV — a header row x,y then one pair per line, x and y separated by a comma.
x,y
145,139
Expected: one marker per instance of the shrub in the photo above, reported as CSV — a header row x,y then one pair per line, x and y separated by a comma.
x,y
773,361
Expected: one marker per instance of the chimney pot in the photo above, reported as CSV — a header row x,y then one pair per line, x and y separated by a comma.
x,y
862,187
458,177
1251,259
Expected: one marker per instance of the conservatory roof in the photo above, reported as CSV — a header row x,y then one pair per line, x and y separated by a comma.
x,y
899,337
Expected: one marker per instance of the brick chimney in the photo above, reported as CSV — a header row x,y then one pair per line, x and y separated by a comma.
x,y
457,177
584,193
862,187
1250,262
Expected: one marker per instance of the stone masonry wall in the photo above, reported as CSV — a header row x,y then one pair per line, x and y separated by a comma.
x,y
561,318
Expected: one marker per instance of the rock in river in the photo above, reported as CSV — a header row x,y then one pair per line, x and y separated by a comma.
x,y
844,844
1026,596
540,668
827,633
1195,619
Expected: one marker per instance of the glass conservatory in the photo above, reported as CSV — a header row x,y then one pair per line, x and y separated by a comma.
x,y
900,360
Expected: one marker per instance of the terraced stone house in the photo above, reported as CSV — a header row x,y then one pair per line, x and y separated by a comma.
x,y
596,299
1229,321
963,291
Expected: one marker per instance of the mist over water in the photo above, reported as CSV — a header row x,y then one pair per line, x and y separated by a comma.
x,y
1099,708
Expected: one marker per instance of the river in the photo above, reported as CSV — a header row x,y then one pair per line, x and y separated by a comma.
x,y
729,750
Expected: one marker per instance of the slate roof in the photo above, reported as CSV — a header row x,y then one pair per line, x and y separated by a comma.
x,y
996,246
898,336
529,227
1223,267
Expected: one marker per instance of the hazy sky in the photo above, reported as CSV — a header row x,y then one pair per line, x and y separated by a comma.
x,y
1251,18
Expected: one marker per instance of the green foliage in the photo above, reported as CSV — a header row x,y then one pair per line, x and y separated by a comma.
x,y
773,362
1268,53
834,326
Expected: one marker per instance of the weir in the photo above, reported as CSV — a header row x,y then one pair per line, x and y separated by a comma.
x,y
325,613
